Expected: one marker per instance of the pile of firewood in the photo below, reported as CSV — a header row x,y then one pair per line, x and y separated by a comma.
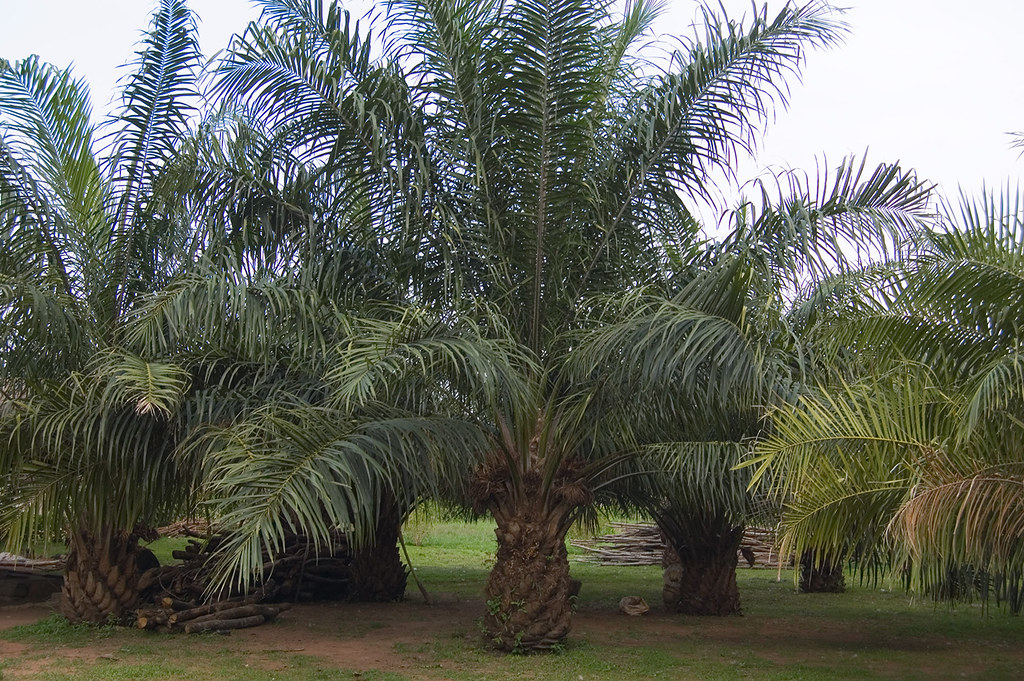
x,y
189,527
173,615
763,548
629,544
643,544
298,573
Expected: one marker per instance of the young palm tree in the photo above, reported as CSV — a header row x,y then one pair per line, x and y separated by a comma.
x,y
536,161
699,363
88,423
916,455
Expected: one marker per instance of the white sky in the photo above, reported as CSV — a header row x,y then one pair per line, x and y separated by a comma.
x,y
935,84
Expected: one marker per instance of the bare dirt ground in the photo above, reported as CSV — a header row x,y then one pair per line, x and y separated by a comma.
x,y
406,638
360,637
15,615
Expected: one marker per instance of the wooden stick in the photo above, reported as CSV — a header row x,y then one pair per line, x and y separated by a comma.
x,y
199,611
267,611
223,625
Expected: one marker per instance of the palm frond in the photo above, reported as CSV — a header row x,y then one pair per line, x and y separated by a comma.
x,y
686,478
48,132
669,133
975,519
77,455
383,355
853,216
152,388
311,77
709,103
304,466
152,119
995,389
951,302
842,462
708,344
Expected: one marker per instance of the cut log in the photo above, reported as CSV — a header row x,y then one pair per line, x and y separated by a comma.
x,y
324,579
168,603
150,618
199,611
267,611
224,625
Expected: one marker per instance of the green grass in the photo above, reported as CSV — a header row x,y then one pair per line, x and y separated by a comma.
x,y
225,667
56,630
163,547
784,636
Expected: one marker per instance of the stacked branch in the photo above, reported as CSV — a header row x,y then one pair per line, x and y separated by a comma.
x,y
763,547
189,527
173,615
643,544
629,544
14,563
297,573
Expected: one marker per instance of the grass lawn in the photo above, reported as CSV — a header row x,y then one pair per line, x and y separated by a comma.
x,y
783,635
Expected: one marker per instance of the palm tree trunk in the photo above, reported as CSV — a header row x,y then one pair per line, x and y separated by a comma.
x,y
700,573
825,576
100,579
377,573
529,605
529,593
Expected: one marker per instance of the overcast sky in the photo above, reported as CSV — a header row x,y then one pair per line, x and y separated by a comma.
x,y
935,84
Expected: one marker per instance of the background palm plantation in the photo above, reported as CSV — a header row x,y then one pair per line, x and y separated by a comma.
x,y
459,260
523,163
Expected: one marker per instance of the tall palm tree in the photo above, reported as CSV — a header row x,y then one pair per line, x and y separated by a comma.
x,y
293,274
88,423
915,455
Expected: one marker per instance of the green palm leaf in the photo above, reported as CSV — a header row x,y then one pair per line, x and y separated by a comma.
x,y
157,101
302,466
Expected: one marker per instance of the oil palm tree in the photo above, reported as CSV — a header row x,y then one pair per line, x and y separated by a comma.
x,y
287,283
915,454
89,423
699,362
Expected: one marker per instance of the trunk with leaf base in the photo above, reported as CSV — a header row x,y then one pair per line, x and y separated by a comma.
x,y
821,576
530,596
700,571
101,579
377,573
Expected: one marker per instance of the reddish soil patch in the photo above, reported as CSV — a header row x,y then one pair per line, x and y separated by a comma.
x,y
362,636
16,615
